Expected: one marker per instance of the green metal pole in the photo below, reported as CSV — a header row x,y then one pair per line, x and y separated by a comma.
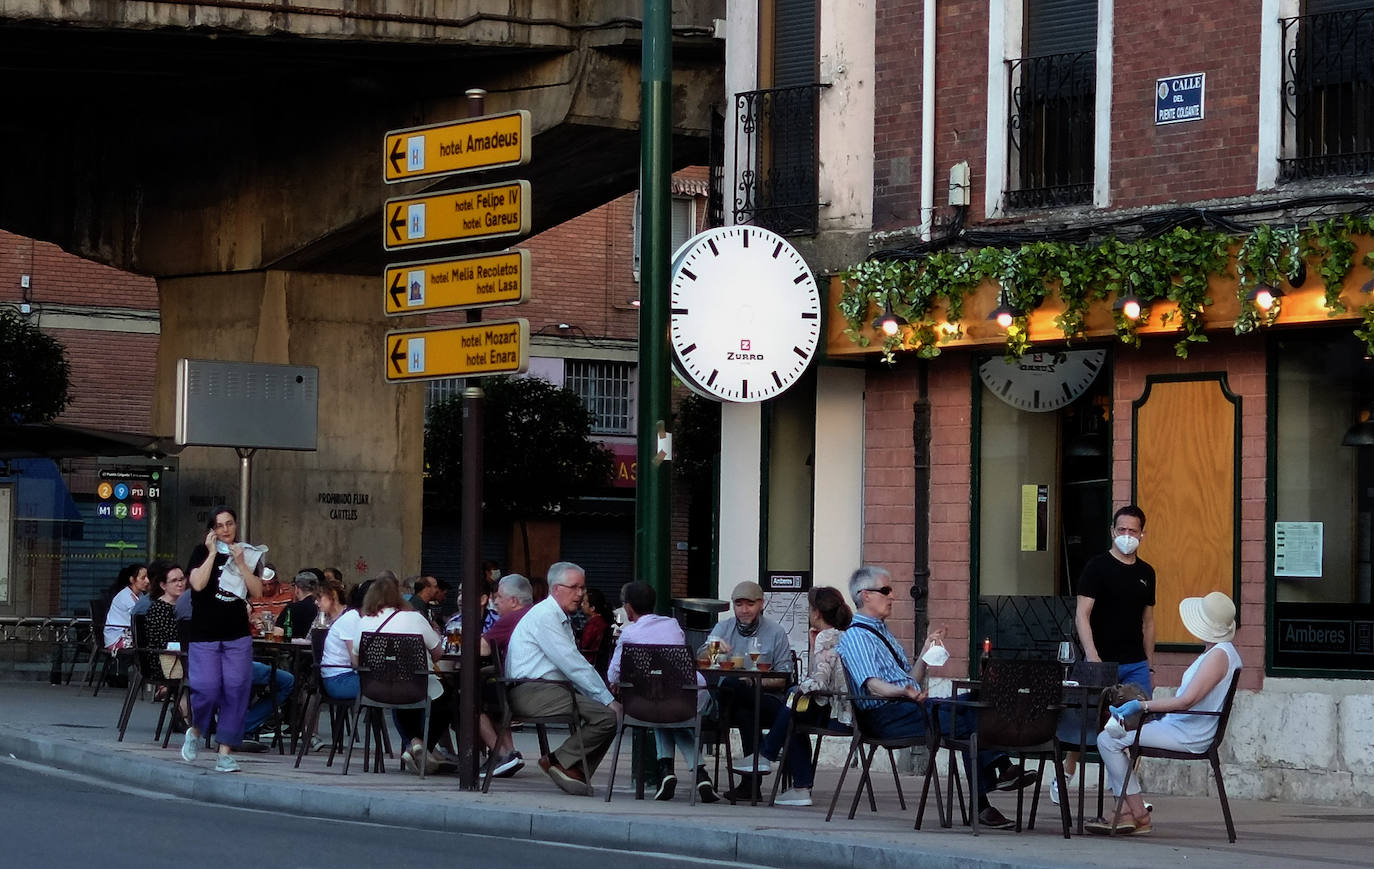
x,y
654,478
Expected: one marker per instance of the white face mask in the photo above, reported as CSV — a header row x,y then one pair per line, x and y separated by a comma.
x,y
1126,544
221,547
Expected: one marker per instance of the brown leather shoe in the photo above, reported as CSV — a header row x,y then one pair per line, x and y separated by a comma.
x,y
568,780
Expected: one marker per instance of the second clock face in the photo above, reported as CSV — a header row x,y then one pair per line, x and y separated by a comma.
x,y
745,314
1040,382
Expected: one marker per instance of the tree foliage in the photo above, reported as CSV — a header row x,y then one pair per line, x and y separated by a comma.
x,y
34,372
538,453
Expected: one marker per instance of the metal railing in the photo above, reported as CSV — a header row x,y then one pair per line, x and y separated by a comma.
x,y
776,139
1328,95
1050,129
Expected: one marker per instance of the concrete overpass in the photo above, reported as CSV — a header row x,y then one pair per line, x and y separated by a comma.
x,y
232,150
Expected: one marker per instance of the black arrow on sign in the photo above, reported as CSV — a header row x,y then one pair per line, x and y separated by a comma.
x,y
397,290
397,222
397,155
397,356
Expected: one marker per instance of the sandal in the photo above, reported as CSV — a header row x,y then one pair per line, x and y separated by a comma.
x,y
1100,826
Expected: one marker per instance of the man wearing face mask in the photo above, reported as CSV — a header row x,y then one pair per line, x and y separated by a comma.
x,y
1116,603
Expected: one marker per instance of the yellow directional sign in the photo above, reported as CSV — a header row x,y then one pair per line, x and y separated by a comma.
x,y
463,282
488,142
489,211
472,350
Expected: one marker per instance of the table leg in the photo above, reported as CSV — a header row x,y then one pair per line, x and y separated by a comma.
x,y
1082,752
758,701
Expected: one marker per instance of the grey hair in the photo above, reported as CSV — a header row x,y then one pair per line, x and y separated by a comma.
x,y
868,576
515,586
559,570
385,574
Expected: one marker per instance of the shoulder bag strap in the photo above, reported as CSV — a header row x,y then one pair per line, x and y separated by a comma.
x,y
875,632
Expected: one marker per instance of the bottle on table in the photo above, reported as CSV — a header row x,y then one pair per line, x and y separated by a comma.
x,y
987,654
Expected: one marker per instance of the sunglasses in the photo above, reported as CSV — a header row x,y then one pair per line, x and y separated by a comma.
x,y
884,591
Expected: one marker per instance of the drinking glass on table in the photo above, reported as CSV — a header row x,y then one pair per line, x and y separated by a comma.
x,y
713,647
755,650
454,635
1067,655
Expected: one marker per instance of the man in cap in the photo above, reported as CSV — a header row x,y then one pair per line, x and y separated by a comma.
x,y
737,637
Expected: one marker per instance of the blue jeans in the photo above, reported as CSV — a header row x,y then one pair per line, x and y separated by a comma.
x,y
262,677
899,720
799,752
342,686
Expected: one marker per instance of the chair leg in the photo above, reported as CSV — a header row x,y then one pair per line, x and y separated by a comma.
x,y
866,761
854,745
1064,817
932,774
348,756
1125,785
615,759
126,711
786,747
896,779
543,734
1221,792
306,727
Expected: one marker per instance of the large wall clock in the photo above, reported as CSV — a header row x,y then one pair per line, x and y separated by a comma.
x,y
1040,382
745,314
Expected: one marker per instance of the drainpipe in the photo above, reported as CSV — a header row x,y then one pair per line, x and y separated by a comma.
x,y
927,119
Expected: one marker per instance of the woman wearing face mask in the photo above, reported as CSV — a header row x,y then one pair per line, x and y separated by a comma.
x,y
1115,616
220,654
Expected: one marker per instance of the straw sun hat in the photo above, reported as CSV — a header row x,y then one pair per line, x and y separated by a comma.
x,y
1211,619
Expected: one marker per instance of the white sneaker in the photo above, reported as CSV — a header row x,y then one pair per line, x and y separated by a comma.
x,y
1069,782
794,797
226,763
746,764
189,746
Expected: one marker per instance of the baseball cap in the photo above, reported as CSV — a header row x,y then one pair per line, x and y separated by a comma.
x,y
747,591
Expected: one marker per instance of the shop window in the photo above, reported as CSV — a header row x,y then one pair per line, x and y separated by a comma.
x,y
1043,466
1323,474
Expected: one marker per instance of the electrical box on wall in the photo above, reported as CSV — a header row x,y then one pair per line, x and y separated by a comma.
x,y
252,405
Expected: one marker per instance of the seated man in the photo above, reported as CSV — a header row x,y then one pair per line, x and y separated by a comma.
x,y
647,629
300,614
543,647
747,631
269,700
877,665
513,598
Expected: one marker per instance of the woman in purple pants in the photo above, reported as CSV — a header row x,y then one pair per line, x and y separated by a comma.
x,y
220,650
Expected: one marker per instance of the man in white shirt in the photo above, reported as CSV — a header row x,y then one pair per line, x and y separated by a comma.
x,y
543,647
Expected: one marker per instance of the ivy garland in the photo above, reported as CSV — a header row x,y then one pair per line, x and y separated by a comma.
x,y
1175,266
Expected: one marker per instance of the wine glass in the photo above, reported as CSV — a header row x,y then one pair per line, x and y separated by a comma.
x,y
1067,655
755,650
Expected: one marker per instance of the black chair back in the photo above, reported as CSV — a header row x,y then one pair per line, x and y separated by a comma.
x,y
658,683
393,668
317,640
1023,702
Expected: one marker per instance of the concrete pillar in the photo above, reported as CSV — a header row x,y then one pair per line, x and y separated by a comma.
x,y
741,451
838,509
355,502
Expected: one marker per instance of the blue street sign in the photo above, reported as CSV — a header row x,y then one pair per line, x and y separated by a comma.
x,y
1179,98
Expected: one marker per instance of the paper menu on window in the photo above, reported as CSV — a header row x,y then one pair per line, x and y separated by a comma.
x,y
1298,549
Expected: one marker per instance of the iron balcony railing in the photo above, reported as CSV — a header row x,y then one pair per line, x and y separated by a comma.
x,y
1328,95
1050,129
776,139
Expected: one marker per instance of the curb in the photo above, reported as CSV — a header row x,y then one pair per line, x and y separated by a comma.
x,y
802,849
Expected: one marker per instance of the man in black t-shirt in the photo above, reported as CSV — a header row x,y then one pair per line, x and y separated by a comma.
x,y
1116,602
1115,617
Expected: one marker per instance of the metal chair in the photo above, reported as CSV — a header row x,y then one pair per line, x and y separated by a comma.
x,y
393,673
315,697
508,718
865,737
97,652
147,670
658,688
808,730
1016,711
1212,755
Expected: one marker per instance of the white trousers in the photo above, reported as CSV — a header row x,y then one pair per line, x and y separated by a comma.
x,y
1155,734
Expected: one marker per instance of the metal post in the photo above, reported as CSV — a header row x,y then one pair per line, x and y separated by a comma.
x,y
245,491
470,668
653,485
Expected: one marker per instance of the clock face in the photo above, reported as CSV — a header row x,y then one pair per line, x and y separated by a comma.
x,y
745,314
1040,382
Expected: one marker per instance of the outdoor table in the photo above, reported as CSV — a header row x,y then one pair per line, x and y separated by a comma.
x,y
272,653
713,676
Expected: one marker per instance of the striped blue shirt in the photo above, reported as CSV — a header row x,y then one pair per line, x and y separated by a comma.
x,y
866,657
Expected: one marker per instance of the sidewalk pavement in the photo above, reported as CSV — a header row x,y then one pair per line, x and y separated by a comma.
x,y
67,728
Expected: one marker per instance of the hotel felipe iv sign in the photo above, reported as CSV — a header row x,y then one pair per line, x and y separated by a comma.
x,y
1179,98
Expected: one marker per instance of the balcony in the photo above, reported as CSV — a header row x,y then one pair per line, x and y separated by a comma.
x,y
1328,95
1050,130
776,135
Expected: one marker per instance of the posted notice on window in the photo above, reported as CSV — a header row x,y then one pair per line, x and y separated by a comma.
x,y
1298,549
